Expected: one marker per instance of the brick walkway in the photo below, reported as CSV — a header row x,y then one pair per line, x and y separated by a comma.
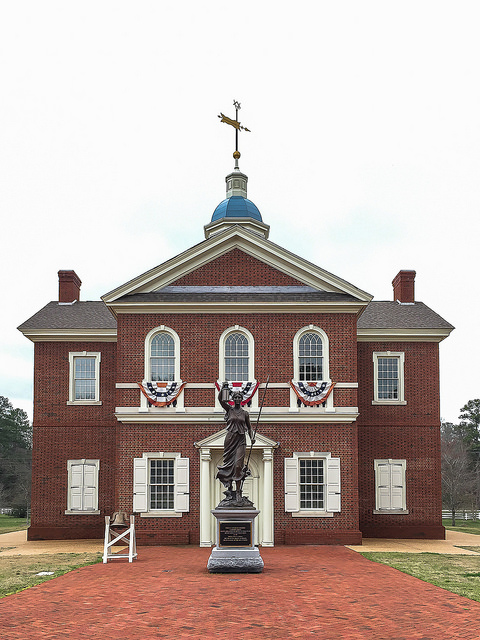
x,y
305,592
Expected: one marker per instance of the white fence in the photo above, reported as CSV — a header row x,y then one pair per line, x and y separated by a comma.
x,y
461,514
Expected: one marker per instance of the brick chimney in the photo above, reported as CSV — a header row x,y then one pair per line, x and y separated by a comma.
x,y
68,286
404,287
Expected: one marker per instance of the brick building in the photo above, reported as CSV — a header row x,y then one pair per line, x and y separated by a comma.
x,y
126,415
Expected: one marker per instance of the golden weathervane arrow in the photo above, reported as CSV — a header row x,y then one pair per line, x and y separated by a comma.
x,y
235,124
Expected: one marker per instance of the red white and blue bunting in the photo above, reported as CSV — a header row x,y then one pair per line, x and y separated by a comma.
x,y
247,389
161,394
312,393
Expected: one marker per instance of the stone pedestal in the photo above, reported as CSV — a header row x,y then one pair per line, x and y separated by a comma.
x,y
235,551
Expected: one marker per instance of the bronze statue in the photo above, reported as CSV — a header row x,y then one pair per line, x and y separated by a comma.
x,y
233,468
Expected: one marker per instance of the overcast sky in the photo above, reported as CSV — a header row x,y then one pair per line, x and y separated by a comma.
x,y
363,155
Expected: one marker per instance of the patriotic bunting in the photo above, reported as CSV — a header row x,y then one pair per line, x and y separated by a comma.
x,y
247,389
312,393
161,394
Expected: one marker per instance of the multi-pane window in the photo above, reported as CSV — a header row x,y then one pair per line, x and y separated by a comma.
x,y
389,387
310,351
162,484
311,484
236,357
162,358
388,379
84,375
84,379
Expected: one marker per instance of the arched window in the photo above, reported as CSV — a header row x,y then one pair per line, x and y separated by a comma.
x,y
310,354
236,357
162,355
162,358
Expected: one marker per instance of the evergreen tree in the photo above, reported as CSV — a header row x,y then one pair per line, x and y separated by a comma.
x,y
15,455
469,426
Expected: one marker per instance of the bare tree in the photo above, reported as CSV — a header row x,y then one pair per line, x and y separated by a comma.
x,y
458,472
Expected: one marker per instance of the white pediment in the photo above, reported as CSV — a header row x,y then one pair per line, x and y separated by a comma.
x,y
236,237
216,440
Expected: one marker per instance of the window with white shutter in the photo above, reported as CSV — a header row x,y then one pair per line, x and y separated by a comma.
x,y
82,495
161,485
390,489
312,484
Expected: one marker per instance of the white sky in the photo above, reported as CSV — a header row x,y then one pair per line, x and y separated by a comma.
x,y
363,155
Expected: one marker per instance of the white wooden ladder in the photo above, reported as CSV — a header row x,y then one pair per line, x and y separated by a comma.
x,y
114,536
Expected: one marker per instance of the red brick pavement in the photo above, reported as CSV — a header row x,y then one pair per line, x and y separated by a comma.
x,y
304,592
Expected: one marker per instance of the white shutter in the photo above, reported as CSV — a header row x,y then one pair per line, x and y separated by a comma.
x,y
384,486
390,484
76,487
182,482
333,484
90,493
292,501
397,486
76,498
140,467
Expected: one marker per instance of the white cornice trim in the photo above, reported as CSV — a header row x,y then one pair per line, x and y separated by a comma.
x,y
69,335
249,242
272,415
260,228
402,335
238,307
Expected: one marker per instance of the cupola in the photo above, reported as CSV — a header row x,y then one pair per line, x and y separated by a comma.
x,y
236,209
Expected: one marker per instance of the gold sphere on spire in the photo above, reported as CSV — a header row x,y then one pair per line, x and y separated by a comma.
x,y
236,155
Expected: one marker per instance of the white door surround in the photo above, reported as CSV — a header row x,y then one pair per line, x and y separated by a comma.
x,y
261,484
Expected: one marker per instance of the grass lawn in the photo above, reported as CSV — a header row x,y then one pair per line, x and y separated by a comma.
x,y
456,573
19,572
464,526
8,524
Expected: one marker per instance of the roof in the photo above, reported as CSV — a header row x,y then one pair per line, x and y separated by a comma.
x,y
236,207
238,294
395,315
218,244
88,321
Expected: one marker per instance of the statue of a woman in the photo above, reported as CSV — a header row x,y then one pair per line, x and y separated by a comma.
x,y
234,449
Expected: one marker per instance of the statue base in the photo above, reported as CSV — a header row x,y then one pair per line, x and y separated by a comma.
x,y
235,551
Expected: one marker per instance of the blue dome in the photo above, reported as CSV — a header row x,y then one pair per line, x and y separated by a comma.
x,y
236,207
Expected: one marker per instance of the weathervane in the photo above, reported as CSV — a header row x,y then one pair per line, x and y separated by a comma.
x,y
236,125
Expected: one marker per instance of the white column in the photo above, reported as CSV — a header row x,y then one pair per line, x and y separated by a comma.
x,y
267,533
205,525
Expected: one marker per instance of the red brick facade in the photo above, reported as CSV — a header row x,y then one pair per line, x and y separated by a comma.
x,y
409,432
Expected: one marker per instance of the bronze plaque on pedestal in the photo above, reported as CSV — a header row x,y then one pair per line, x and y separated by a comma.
x,y
235,534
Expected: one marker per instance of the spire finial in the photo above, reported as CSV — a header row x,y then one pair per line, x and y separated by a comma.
x,y
237,126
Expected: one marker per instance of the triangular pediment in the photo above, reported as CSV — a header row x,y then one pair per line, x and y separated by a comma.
x,y
216,440
243,240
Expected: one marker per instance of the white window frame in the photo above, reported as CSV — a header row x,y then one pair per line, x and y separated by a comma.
x,y
332,485
390,486
251,360
400,356
82,487
141,475
147,373
71,384
296,364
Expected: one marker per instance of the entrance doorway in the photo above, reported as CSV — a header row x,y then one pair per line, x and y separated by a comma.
x,y
258,487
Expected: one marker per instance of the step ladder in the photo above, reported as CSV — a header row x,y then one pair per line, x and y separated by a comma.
x,y
117,534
